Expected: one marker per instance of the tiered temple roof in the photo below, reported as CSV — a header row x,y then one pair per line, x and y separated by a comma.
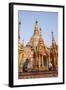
x,y
36,37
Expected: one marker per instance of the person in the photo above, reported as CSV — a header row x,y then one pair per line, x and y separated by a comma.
x,y
50,66
25,63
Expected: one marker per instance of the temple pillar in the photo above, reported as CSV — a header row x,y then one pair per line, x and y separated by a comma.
x,y
39,62
42,63
54,63
49,61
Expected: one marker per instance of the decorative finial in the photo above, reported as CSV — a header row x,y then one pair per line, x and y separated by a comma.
x,y
52,32
19,23
19,29
36,21
40,29
53,37
40,32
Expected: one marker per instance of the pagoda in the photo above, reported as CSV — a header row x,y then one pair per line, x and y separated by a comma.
x,y
40,52
37,54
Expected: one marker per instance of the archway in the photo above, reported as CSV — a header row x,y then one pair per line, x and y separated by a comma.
x,y
45,62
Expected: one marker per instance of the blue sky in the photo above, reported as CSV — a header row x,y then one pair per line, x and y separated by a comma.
x,y
47,21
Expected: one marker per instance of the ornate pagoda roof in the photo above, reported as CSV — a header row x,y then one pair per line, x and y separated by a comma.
x,y
36,37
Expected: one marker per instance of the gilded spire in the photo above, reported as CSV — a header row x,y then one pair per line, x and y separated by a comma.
x,y
40,32
41,39
36,29
36,21
19,29
19,35
22,45
53,36
53,40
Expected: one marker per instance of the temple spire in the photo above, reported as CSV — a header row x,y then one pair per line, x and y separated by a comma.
x,y
53,40
36,29
41,39
53,37
19,35
22,45
36,21
40,32
19,29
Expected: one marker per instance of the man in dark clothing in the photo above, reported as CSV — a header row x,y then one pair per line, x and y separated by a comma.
x,y
25,66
